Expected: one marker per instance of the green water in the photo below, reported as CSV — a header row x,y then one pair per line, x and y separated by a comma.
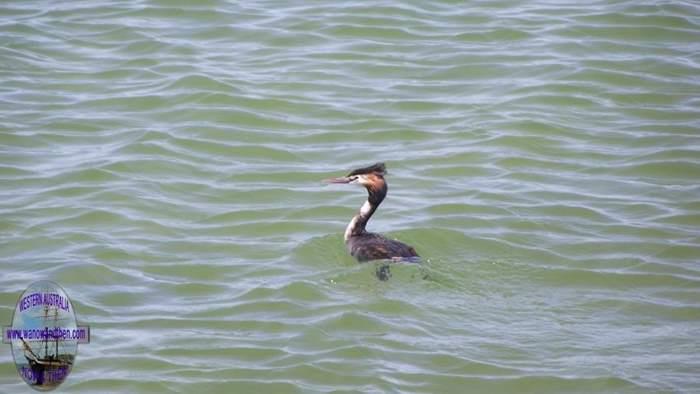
x,y
162,162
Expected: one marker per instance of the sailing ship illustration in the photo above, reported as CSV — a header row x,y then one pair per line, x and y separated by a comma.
x,y
50,360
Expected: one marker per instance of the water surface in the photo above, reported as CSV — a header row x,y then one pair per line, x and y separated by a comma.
x,y
162,162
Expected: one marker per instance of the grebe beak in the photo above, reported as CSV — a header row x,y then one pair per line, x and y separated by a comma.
x,y
344,179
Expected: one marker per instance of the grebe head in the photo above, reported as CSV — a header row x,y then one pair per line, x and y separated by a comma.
x,y
371,177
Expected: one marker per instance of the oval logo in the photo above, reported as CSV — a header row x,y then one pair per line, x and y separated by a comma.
x,y
44,335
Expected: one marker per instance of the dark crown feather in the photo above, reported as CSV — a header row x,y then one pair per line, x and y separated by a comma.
x,y
377,168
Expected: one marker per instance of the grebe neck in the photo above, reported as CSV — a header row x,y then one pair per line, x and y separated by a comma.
x,y
359,221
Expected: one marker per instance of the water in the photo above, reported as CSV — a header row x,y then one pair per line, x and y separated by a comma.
x,y
162,162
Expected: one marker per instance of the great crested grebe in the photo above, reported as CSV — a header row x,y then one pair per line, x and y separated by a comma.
x,y
364,245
